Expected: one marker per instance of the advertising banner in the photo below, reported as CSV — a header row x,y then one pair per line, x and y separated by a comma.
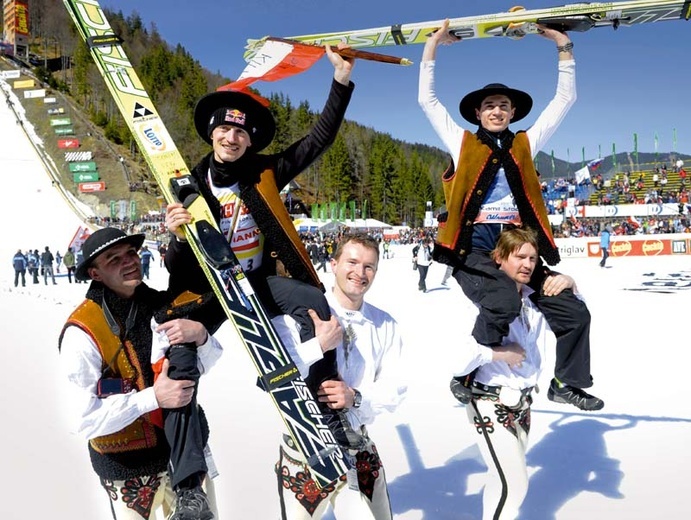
x,y
38,93
21,18
86,177
86,187
56,111
9,74
60,121
64,130
50,100
68,143
24,83
78,156
85,166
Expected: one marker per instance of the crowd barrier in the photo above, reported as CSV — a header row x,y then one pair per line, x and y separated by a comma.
x,y
627,245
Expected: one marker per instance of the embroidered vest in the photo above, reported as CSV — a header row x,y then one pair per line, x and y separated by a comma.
x,y
466,188
140,434
260,193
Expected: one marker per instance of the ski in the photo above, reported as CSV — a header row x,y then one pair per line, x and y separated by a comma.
x,y
515,23
279,376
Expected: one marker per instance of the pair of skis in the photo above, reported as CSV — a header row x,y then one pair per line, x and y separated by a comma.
x,y
515,23
279,375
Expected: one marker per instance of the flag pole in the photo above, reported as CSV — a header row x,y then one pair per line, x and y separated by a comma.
x,y
352,53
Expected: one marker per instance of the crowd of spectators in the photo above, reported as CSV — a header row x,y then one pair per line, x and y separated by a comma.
x,y
622,188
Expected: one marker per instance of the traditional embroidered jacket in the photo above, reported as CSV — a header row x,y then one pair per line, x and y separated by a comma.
x,y
467,186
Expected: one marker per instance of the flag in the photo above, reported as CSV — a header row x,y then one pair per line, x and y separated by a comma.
x,y
634,222
614,154
552,162
674,139
582,157
275,61
595,163
582,175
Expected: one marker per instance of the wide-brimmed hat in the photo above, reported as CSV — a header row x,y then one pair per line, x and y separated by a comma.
x,y
100,241
521,101
236,108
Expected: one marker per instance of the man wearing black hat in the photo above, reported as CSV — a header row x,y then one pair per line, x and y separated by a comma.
x,y
119,401
492,184
242,188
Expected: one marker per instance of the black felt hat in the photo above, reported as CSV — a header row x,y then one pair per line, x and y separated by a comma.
x,y
521,101
100,241
236,108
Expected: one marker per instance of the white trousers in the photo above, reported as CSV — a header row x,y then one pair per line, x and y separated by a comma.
x,y
301,500
503,441
150,497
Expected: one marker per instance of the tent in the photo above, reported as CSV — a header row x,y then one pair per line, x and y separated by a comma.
x,y
308,225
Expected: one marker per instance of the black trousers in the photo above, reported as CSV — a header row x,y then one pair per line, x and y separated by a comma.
x,y
294,298
183,426
495,294
17,274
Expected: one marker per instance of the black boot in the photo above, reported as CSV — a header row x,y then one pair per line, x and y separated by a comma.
x,y
462,387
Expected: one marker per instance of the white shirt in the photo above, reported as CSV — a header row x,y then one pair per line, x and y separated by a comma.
x,y
239,227
81,364
499,205
530,330
371,362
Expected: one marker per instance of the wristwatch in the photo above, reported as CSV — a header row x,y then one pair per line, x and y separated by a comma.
x,y
357,398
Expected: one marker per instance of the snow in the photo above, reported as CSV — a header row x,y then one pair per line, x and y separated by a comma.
x,y
629,461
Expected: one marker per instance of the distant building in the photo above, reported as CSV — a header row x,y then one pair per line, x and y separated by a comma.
x,y
15,26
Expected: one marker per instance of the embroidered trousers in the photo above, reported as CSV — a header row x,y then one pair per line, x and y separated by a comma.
x,y
503,440
150,497
301,500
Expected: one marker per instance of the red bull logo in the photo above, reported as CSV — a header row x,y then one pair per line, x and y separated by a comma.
x,y
235,116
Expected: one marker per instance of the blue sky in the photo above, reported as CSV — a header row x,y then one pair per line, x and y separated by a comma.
x,y
633,80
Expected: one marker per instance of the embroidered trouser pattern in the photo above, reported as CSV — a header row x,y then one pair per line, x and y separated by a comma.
x,y
141,497
503,441
302,500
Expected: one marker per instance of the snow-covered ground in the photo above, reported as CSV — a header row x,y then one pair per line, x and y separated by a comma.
x,y
629,461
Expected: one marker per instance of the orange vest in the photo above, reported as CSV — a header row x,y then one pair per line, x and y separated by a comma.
x,y
139,434
465,189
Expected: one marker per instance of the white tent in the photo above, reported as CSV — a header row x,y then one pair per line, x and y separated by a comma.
x,y
309,225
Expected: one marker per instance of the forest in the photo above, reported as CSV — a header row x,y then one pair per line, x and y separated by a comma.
x,y
391,178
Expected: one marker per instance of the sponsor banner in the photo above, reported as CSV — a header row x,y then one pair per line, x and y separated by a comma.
x,y
24,83
39,93
78,156
86,176
21,18
64,130
88,166
9,74
86,187
649,246
56,111
623,210
60,121
68,143
572,247
634,245
50,100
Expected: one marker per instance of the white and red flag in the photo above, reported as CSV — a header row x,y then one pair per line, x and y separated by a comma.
x,y
276,60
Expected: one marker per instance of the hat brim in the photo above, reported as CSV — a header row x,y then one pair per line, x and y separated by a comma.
x,y
261,116
520,100
82,271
